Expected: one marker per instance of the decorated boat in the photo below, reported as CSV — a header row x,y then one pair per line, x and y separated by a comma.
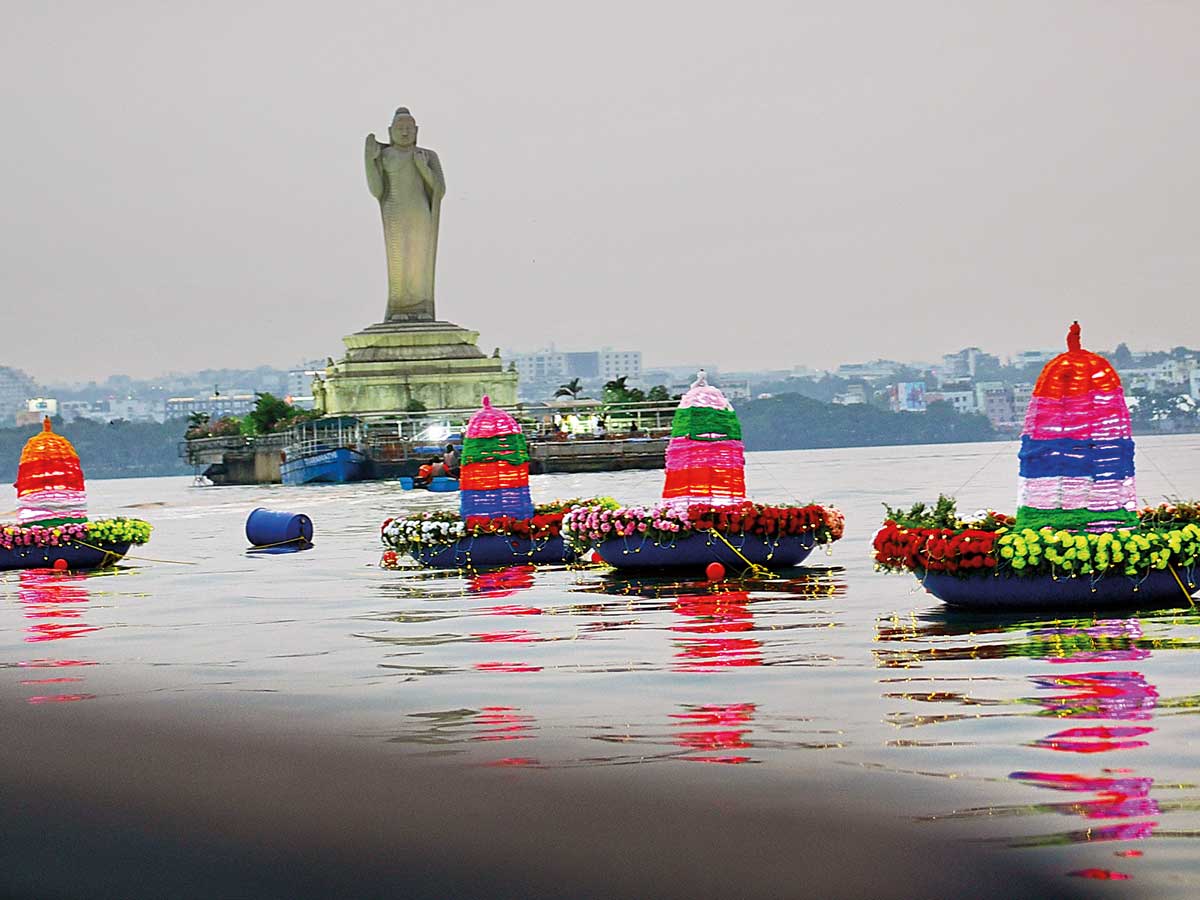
x,y
704,516
497,524
1078,539
52,530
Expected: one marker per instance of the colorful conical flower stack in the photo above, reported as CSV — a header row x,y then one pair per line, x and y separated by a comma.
x,y
1077,447
494,479
705,457
50,480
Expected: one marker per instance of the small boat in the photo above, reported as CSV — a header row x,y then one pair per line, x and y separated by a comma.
x,y
704,516
325,451
1078,541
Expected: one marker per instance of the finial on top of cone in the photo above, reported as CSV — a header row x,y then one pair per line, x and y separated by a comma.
x,y
487,401
1073,336
46,424
701,379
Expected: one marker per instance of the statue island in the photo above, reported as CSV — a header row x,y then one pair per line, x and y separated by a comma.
x,y
410,360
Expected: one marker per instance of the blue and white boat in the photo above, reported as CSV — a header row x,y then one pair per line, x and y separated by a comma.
x,y
330,451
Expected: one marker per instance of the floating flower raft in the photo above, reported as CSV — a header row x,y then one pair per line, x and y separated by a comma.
x,y
53,530
1078,539
497,524
704,516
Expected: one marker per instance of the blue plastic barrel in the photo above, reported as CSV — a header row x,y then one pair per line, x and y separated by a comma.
x,y
267,528
406,482
442,483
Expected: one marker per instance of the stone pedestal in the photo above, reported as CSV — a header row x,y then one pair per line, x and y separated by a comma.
x,y
389,365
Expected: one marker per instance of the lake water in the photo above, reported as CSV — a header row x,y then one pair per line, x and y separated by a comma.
x,y
1072,742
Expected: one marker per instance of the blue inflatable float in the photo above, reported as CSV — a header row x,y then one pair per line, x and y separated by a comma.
x,y
490,551
1045,592
696,551
278,532
76,556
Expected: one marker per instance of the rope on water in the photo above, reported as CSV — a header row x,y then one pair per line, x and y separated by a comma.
x,y
1179,582
118,556
761,571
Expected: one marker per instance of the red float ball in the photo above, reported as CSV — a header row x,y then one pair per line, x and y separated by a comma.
x,y
597,559
715,571
60,565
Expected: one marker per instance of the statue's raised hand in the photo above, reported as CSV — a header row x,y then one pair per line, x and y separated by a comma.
x,y
375,180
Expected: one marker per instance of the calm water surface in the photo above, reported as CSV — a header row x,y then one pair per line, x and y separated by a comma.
x,y
1074,740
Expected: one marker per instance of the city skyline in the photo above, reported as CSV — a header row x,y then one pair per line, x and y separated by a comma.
x,y
798,186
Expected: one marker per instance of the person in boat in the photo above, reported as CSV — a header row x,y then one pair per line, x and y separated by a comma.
x,y
634,431
429,471
450,461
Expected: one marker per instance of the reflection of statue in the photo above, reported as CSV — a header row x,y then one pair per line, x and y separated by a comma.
x,y
408,183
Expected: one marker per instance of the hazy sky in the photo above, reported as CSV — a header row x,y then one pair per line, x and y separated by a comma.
x,y
756,184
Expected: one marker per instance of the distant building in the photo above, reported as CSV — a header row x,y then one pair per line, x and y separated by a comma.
x,y
35,410
555,365
216,406
300,381
15,389
1033,357
131,410
852,396
995,400
966,363
1021,395
878,368
73,410
1194,384
963,401
735,390
908,396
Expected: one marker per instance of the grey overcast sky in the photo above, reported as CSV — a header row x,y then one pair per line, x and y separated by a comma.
x,y
754,184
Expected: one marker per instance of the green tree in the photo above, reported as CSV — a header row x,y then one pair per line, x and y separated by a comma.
x,y
572,389
659,393
269,413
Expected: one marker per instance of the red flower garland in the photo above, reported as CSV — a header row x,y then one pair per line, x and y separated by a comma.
x,y
541,527
767,521
934,549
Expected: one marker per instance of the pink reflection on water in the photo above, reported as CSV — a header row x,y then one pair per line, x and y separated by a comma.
x,y
506,667
503,723
60,698
1119,697
1099,695
731,723
55,602
710,615
502,583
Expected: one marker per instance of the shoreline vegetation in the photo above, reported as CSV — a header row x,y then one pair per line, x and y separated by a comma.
x,y
121,449
116,449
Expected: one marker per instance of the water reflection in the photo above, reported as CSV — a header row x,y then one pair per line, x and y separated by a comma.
x,y
513,656
54,604
709,617
713,730
1107,712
